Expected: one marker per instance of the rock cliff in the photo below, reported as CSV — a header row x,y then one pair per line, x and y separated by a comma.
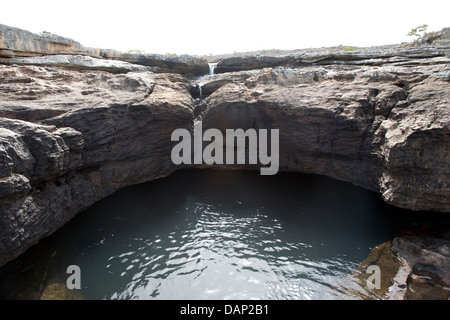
x,y
385,128
77,123
67,139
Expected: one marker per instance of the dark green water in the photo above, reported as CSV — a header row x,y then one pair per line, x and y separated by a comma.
x,y
203,234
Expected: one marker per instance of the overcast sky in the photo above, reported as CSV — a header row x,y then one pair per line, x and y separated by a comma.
x,y
204,27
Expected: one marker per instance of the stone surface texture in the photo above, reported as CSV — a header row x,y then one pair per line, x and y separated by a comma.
x,y
78,123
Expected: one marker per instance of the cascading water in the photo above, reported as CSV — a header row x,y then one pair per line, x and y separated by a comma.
x,y
200,82
200,85
212,66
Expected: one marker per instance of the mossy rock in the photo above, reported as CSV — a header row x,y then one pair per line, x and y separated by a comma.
x,y
59,291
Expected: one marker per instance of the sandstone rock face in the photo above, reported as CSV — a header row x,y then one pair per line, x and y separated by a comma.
x,y
74,129
383,128
416,142
187,65
81,63
375,56
89,134
15,42
19,46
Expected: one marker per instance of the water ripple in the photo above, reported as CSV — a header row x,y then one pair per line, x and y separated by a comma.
x,y
212,242
246,253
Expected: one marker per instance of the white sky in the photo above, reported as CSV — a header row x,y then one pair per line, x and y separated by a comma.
x,y
212,27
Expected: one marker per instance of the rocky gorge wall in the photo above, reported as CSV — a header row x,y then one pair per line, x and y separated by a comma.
x,y
76,123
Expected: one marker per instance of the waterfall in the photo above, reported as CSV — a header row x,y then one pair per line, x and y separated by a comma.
x,y
212,66
200,85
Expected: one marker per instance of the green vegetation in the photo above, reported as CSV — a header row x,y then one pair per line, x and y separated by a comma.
x,y
171,54
46,32
348,49
418,31
136,51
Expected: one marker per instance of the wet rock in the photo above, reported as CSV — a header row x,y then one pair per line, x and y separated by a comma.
x,y
428,259
360,286
59,291
411,268
424,283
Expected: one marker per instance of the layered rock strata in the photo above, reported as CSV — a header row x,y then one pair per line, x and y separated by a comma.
x,y
76,127
68,139
19,46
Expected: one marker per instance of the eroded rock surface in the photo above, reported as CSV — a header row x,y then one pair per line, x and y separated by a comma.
x,y
15,42
409,268
68,139
78,62
428,259
190,66
25,47
72,131
383,128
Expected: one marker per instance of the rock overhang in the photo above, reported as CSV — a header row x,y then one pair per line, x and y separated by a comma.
x,y
70,135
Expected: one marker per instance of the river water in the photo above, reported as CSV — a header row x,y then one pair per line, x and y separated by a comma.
x,y
209,234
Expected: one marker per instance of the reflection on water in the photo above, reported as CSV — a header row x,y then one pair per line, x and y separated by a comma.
x,y
202,234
